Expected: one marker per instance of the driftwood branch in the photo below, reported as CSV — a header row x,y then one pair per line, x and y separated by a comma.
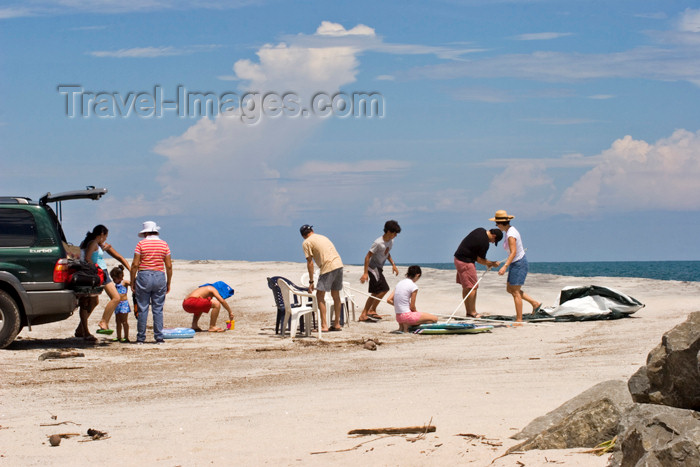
x,y
59,423
394,431
63,368
53,354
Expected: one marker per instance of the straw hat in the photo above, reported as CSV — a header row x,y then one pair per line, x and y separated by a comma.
x,y
501,216
148,227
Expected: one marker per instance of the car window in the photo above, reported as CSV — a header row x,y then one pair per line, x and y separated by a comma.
x,y
17,228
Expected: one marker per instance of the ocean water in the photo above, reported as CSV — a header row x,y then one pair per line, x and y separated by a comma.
x,y
660,270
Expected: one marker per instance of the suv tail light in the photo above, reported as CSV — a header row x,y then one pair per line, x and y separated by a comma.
x,y
60,271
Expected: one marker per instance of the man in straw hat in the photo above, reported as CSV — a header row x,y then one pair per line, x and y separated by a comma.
x,y
516,264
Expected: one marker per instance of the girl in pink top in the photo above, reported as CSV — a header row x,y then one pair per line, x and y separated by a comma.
x,y
403,297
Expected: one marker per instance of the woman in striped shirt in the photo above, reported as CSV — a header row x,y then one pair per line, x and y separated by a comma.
x,y
151,272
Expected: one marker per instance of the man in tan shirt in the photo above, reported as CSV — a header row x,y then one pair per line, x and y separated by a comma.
x,y
320,249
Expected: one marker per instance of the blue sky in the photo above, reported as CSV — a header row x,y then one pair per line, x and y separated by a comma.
x,y
581,118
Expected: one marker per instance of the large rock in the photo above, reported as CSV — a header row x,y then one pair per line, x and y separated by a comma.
x,y
656,435
613,390
672,374
586,427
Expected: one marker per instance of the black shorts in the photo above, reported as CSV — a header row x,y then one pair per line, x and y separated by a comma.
x,y
377,286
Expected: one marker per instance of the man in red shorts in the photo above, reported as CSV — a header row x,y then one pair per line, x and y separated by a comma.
x,y
473,249
200,301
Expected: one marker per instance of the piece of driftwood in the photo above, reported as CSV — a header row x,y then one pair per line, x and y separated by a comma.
x,y
63,368
393,430
54,354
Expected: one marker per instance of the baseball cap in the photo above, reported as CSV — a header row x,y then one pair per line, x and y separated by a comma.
x,y
306,228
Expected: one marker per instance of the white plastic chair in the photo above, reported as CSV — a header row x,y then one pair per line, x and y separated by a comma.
x,y
346,297
349,300
298,311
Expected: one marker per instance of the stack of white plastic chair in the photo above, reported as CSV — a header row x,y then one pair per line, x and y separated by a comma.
x,y
306,309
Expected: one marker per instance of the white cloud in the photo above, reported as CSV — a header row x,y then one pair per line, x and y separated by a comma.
x,y
301,69
676,58
363,38
151,52
15,12
643,62
689,21
601,96
328,28
226,158
542,36
65,7
223,159
634,175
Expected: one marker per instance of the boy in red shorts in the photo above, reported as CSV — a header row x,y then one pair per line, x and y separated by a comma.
x,y
200,301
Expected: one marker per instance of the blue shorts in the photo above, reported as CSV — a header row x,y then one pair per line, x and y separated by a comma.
x,y
517,272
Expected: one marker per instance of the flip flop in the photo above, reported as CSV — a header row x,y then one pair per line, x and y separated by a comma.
x,y
107,332
332,329
374,316
476,316
368,319
538,308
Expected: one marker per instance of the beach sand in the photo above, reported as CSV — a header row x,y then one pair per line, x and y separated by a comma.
x,y
248,397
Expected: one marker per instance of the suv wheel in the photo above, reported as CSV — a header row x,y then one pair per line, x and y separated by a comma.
x,y
9,319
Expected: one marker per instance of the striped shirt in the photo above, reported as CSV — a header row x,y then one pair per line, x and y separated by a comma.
x,y
153,251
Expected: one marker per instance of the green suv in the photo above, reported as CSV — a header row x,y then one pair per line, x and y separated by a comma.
x,y
34,267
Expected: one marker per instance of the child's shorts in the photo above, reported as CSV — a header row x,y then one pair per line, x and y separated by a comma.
x,y
196,305
409,317
122,308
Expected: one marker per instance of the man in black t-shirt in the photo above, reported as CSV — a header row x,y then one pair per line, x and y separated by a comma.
x,y
473,249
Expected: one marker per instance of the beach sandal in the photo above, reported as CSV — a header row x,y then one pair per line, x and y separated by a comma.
x,y
537,308
107,332
334,329
374,316
368,319
476,316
